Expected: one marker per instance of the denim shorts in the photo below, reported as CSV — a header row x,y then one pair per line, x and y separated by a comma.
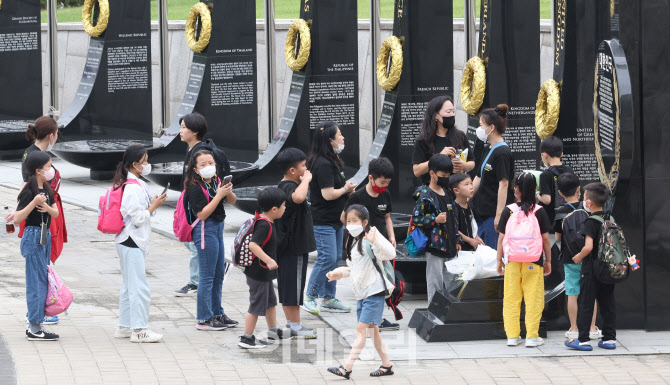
x,y
369,311
573,277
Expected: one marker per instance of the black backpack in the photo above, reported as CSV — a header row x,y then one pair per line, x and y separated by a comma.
x,y
222,163
573,224
559,201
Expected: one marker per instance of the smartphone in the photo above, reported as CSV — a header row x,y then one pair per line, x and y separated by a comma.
x,y
227,180
166,188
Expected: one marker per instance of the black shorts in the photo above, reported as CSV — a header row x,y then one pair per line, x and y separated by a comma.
x,y
261,296
291,279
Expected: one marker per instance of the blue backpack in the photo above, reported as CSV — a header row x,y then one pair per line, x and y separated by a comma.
x,y
416,241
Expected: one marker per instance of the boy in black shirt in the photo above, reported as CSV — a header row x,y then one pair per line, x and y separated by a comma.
x,y
298,232
262,298
552,152
464,190
595,197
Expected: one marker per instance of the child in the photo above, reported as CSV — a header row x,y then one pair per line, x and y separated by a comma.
x,y
552,152
296,226
205,195
523,261
595,197
262,298
434,215
37,206
461,185
377,200
132,245
369,285
568,187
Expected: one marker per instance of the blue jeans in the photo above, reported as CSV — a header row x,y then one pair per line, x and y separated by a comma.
x,y
487,232
37,260
212,268
370,310
135,297
329,248
193,266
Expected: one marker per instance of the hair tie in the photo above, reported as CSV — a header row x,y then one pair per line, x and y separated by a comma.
x,y
500,113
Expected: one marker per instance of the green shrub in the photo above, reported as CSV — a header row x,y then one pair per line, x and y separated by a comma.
x,y
64,3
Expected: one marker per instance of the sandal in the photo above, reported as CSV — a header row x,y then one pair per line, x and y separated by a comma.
x,y
338,372
386,372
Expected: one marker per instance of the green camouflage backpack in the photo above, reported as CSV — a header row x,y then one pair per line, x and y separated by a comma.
x,y
611,266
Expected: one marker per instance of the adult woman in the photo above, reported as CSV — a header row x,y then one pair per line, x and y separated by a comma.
x,y
328,193
492,187
132,245
440,136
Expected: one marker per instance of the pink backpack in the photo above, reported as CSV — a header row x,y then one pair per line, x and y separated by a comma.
x,y
180,226
110,220
59,298
523,239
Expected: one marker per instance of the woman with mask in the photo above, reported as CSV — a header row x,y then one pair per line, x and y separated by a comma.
x,y
493,175
440,136
328,195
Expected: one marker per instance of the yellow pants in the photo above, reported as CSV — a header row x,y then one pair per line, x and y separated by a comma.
x,y
525,281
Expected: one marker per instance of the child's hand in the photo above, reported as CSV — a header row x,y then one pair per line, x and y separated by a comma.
x,y
370,236
272,265
441,218
334,275
479,241
392,240
43,208
499,267
307,177
547,268
224,190
473,243
10,217
39,199
458,247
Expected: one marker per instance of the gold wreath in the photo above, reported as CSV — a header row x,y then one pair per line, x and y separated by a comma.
x,y
388,78
609,179
547,108
473,85
0,4
297,62
199,9
87,15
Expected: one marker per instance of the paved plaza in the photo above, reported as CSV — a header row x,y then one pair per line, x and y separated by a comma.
x,y
87,352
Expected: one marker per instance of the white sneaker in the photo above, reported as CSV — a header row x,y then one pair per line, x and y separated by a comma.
x,y
533,342
596,335
514,341
145,336
571,335
123,332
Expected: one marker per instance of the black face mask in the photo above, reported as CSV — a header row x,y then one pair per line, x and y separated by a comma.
x,y
443,181
448,122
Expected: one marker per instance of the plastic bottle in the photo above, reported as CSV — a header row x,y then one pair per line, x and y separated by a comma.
x,y
9,226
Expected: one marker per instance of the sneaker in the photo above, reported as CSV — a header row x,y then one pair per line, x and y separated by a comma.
x,y
227,321
571,335
48,320
187,290
575,344
334,306
534,342
304,333
514,341
145,336
212,324
41,336
123,332
280,335
610,345
596,335
387,325
310,306
251,343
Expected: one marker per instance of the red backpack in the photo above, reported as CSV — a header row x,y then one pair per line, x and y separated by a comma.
x,y
242,256
180,226
110,220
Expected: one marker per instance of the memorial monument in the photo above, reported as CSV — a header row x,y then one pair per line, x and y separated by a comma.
x,y
20,73
222,86
112,106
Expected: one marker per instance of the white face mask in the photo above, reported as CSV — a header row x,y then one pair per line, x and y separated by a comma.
x,y
339,148
49,175
482,135
146,169
50,146
207,172
587,209
355,230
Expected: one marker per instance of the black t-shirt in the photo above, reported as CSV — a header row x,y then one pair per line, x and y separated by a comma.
x,y
297,223
35,217
222,170
422,152
465,218
197,200
548,187
256,271
592,228
542,220
378,207
325,174
500,165
30,149
558,229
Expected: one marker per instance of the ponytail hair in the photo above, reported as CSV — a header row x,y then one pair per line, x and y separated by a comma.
x,y
35,161
133,154
496,116
526,184
43,127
